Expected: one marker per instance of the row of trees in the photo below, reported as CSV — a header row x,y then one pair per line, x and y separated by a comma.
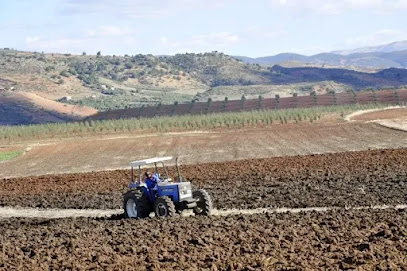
x,y
162,124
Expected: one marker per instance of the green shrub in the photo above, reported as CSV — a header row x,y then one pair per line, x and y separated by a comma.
x,y
64,73
49,68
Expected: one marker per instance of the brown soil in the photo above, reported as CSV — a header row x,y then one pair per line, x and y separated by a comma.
x,y
396,113
367,240
97,153
16,110
9,149
50,105
343,179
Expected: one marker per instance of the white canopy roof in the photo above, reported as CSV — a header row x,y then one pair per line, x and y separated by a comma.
x,y
149,161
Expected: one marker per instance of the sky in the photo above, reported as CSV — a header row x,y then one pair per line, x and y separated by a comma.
x,y
165,27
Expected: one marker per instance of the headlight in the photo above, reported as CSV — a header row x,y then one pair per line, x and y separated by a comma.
x,y
185,193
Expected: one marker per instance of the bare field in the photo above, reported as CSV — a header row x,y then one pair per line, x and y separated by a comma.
x,y
399,124
113,152
384,114
53,106
393,118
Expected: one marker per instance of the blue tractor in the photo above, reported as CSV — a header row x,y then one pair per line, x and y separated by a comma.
x,y
161,195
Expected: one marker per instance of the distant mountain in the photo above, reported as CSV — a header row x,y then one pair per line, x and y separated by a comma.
x,y
379,60
358,80
267,60
386,48
393,55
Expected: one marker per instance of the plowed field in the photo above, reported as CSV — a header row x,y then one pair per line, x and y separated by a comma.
x,y
344,179
368,240
364,239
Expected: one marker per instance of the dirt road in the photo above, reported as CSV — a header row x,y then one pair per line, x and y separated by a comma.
x,y
12,212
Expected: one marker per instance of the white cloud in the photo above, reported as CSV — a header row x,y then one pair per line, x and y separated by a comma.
x,y
377,38
113,39
58,45
340,6
202,43
164,40
109,31
257,32
220,39
30,40
136,9
105,38
132,9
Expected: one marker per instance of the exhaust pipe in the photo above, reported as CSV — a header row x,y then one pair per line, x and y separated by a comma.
x,y
178,171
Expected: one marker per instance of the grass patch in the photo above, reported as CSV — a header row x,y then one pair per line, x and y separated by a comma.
x,y
9,155
176,123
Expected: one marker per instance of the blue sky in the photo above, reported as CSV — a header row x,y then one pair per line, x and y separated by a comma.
x,y
240,27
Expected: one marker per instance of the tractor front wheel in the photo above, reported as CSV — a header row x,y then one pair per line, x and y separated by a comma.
x,y
164,206
203,202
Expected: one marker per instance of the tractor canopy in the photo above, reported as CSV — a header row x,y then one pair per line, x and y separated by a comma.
x,y
150,161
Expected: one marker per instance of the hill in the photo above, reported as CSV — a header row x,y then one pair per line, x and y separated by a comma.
x,y
386,48
26,108
107,82
377,60
114,82
358,80
271,60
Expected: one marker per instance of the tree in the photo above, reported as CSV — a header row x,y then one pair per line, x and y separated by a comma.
x,y
84,53
99,53
64,73
49,68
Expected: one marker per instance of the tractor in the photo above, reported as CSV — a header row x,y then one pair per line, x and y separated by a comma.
x,y
166,198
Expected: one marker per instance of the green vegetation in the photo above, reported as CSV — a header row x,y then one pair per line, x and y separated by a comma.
x,y
116,100
5,156
209,68
235,92
176,123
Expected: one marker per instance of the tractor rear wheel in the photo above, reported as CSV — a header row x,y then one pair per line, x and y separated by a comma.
x,y
164,206
203,204
136,204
